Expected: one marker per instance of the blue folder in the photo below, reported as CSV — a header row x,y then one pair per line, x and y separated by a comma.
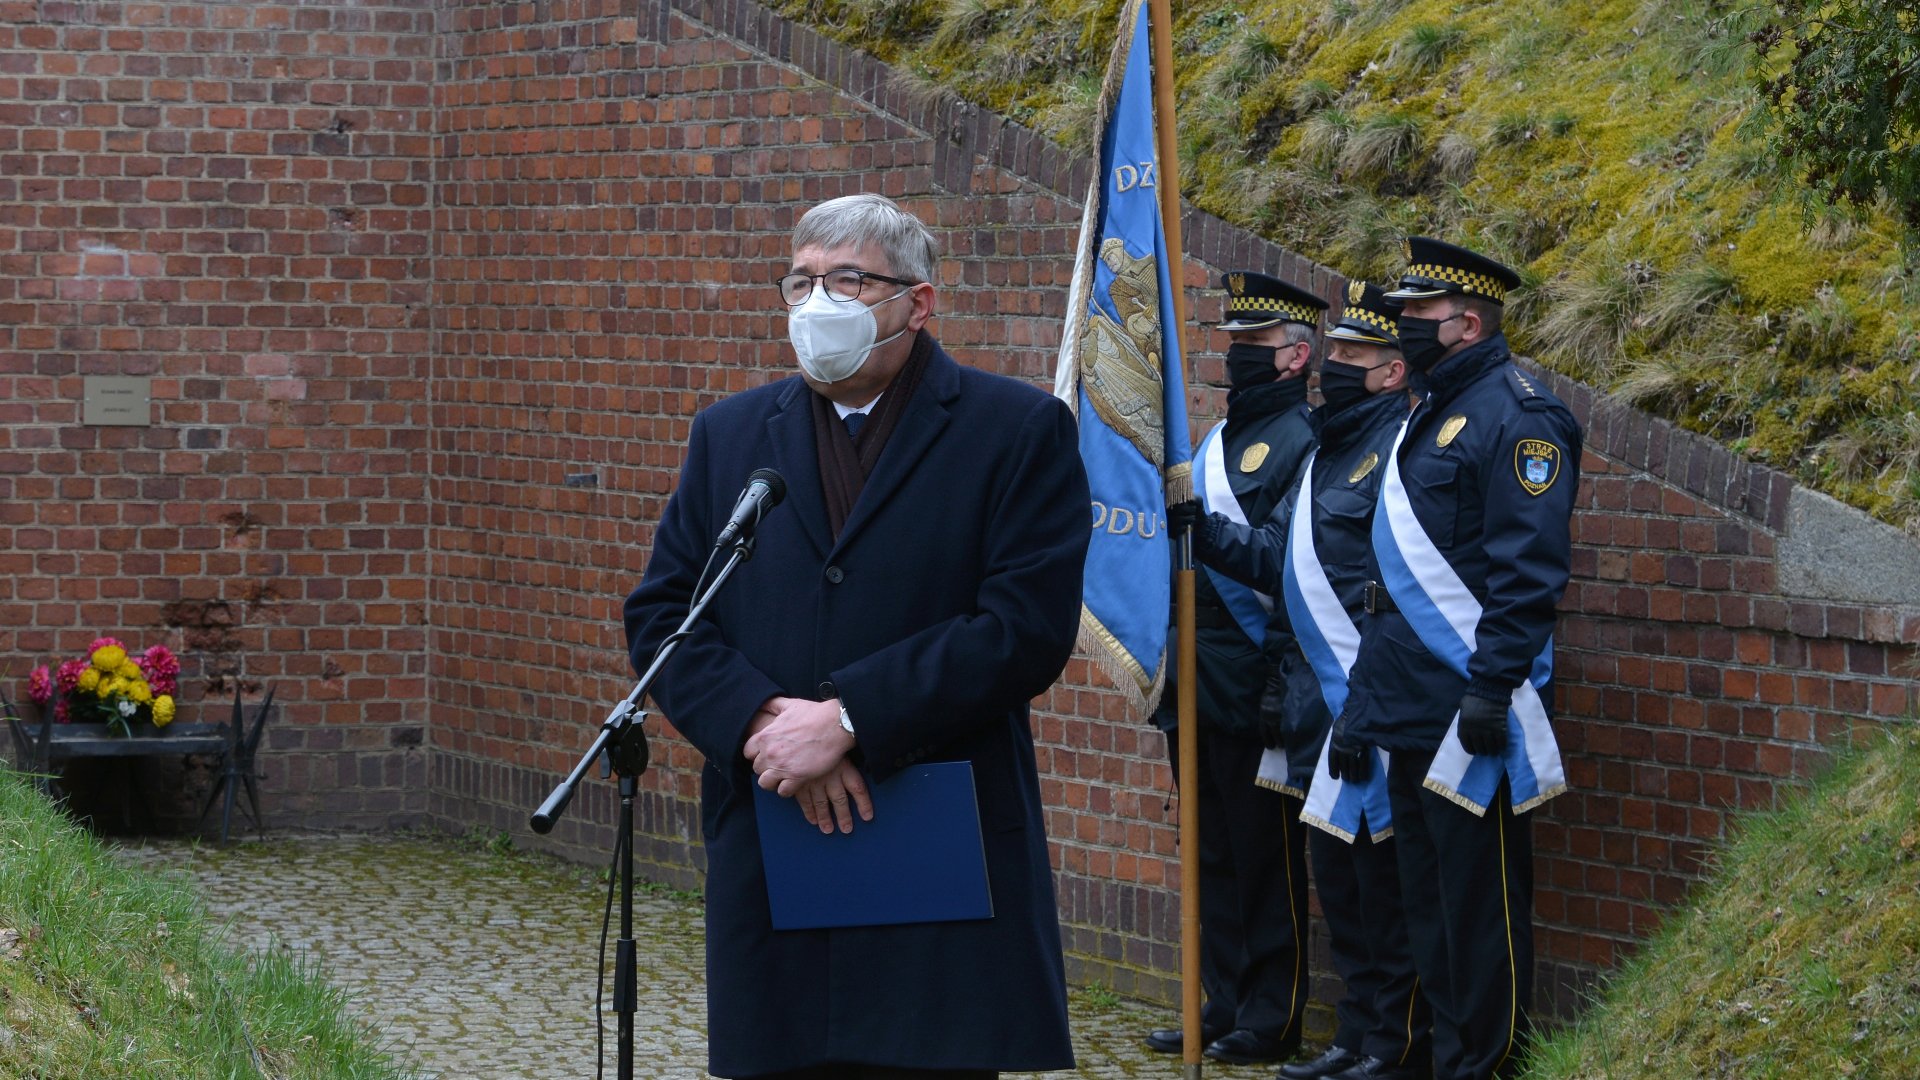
x,y
919,860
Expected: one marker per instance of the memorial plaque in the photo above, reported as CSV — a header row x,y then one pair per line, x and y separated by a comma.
x,y
117,401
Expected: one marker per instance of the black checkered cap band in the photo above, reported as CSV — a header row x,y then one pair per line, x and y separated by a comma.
x,y
1466,279
1241,306
1377,321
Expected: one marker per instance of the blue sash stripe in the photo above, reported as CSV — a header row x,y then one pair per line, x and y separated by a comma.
x,y
1339,807
1247,606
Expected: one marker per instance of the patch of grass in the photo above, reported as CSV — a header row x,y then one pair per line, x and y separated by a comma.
x,y
1312,95
1381,145
1426,47
1099,996
670,892
112,973
1455,155
1591,311
1324,136
1682,300
1249,59
1797,957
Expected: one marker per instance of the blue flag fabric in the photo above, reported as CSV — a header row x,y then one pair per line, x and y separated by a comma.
x,y
1120,368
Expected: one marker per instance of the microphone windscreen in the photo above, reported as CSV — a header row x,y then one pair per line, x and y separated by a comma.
x,y
776,485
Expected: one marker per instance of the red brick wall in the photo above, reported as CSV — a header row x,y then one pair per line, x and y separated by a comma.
x,y
1689,687
230,198
440,532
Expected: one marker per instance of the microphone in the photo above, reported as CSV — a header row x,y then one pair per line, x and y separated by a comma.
x,y
764,491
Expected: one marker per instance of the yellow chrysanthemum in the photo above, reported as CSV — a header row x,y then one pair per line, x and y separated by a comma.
x,y
140,692
162,710
113,687
89,680
109,657
129,671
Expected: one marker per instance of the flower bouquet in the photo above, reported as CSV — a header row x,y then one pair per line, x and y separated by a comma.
x,y
109,686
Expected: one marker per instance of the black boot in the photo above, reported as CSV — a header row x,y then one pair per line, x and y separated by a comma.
x,y
1170,1040
1336,1059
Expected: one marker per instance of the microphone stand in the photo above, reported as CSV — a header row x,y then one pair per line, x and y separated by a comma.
x,y
624,742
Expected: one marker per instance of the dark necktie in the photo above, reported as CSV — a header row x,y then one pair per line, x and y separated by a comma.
x,y
855,421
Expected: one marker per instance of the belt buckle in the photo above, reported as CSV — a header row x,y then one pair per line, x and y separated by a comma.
x,y
1371,599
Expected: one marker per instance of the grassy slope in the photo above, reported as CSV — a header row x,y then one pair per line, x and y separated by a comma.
x,y
1606,149
1801,958
109,972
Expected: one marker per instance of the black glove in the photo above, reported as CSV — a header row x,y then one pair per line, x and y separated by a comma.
x,y
1183,516
1483,725
1273,704
1349,756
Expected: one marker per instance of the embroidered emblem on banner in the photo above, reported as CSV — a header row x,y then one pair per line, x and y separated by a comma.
x,y
1255,457
1366,466
1450,430
1537,464
1356,291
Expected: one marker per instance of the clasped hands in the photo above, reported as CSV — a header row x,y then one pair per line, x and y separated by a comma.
x,y
1483,730
799,751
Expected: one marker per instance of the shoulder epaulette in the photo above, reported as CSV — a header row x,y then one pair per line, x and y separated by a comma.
x,y
1531,396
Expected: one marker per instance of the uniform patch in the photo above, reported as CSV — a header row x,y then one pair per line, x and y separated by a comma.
x,y
1255,457
1536,464
1366,466
1450,430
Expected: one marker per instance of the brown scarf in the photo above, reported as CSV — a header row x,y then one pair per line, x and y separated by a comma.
x,y
846,461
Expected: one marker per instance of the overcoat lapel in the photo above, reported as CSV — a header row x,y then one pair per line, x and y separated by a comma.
x,y
790,430
925,418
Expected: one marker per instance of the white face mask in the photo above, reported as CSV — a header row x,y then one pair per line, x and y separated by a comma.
x,y
833,338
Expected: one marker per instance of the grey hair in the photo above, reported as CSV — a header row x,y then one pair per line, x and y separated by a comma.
x,y
871,221
1300,333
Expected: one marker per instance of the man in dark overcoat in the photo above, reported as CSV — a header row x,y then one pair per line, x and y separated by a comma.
x,y
918,586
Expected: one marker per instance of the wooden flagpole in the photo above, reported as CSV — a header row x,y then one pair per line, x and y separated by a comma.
x,y
1160,26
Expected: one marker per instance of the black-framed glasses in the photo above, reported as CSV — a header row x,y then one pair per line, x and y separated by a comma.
x,y
844,285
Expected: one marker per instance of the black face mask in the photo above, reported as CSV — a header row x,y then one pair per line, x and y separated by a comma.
x,y
1420,341
1343,386
1250,365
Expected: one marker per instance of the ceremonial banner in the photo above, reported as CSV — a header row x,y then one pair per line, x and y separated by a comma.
x,y
1120,371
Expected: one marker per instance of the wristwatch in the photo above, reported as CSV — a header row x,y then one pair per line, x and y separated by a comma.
x,y
846,723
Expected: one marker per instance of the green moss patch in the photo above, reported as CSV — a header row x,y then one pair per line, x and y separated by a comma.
x,y
1588,145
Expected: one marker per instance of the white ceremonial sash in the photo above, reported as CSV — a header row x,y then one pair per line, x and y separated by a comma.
x,y
1248,607
1330,642
1443,612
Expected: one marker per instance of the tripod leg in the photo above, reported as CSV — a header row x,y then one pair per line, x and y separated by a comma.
x,y
253,803
226,812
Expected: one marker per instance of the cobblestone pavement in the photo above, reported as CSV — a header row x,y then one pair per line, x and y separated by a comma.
x,y
477,964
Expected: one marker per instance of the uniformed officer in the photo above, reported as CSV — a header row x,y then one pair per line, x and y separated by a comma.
x,y
1322,578
1470,554
1253,910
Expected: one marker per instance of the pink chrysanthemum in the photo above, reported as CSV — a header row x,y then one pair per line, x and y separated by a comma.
x,y
40,685
161,668
102,642
60,711
68,676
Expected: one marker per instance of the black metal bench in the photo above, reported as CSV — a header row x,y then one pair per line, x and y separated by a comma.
x,y
38,749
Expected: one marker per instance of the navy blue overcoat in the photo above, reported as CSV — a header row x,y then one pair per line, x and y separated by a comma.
x,y
950,600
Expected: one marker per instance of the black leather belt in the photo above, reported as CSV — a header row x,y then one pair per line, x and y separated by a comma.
x,y
1213,618
1377,600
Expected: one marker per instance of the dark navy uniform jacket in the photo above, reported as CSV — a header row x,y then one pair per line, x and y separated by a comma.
x,y
1232,668
1490,462
1346,480
950,599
